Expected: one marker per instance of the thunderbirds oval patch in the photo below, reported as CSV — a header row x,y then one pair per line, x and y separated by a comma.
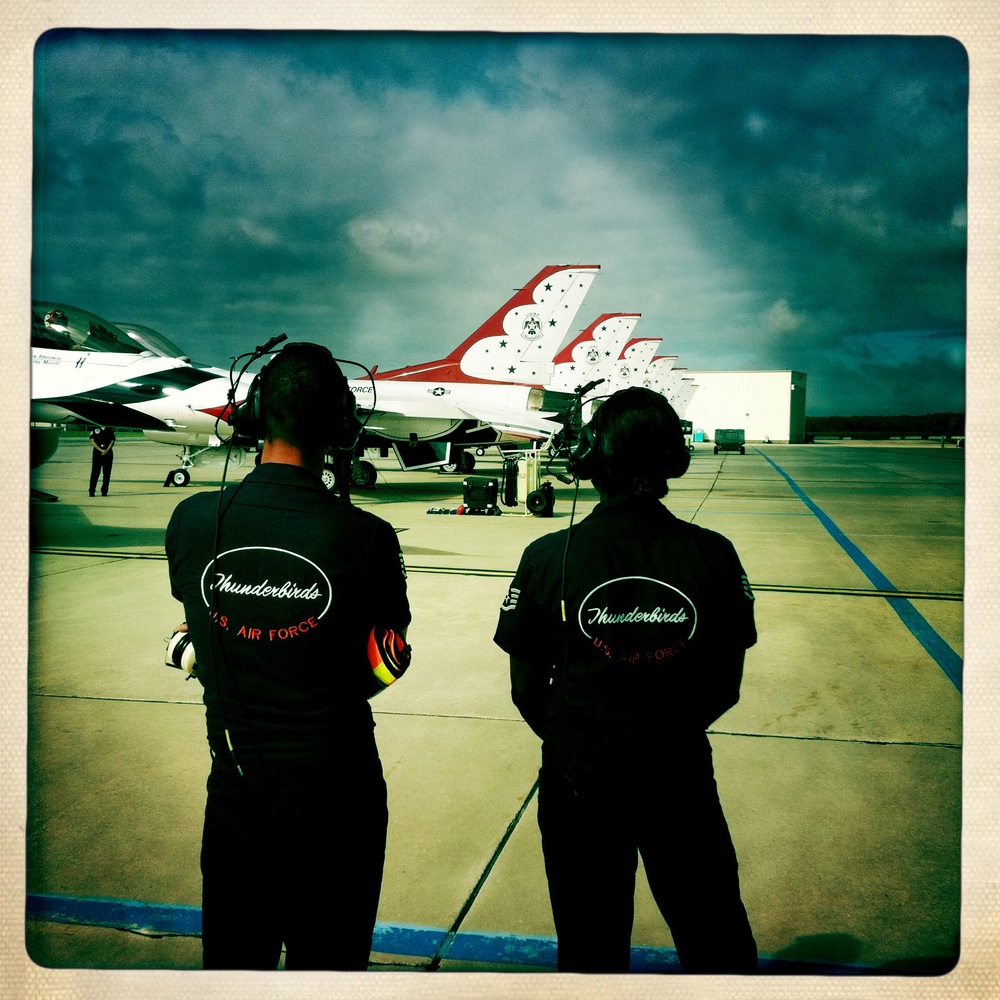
x,y
263,593
634,619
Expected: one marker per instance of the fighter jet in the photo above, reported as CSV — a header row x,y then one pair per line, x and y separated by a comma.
x,y
493,387
85,368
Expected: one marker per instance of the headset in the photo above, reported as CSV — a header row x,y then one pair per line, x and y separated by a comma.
x,y
247,418
181,654
388,655
595,453
582,462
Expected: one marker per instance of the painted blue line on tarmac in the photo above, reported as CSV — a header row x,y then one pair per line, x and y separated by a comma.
x,y
540,952
502,949
402,939
945,657
399,940
388,939
150,918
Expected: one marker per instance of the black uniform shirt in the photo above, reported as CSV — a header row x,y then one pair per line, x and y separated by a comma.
x,y
103,436
658,614
280,621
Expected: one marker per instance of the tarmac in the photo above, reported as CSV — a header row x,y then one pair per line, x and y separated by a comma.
x,y
840,770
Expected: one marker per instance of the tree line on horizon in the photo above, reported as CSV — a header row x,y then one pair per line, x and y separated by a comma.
x,y
895,425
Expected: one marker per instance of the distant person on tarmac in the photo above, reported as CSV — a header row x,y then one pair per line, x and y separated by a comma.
x,y
102,458
626,637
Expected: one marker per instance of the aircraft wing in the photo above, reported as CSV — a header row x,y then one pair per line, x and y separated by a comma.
x,y
525,423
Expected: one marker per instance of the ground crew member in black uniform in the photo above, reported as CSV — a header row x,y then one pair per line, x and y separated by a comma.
x,y
282,585
102,458
621,688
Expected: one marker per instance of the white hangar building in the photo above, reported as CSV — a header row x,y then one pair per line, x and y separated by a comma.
x,y
767,406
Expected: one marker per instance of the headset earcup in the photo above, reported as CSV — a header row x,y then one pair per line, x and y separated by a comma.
x,y
582,461
680,460
246,418
350,424
180,653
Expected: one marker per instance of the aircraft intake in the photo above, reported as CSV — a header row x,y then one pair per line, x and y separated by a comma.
x,y
550,401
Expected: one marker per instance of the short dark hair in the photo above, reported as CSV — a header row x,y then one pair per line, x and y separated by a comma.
x,y
302,396
640,444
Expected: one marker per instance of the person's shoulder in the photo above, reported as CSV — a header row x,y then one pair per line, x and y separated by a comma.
x,y
704,537
364,519
197,505
546,546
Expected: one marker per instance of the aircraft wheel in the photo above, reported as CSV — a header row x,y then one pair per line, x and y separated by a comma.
x,y
329,476
363,475
449,467
466,463
179,477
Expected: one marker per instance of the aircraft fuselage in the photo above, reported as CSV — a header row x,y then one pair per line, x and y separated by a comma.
x,y
406,411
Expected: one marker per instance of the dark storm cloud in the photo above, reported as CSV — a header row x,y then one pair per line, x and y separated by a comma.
x,y
829,171
762,201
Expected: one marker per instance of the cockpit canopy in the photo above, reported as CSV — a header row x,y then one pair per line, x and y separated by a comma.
x,y
152,340
69,328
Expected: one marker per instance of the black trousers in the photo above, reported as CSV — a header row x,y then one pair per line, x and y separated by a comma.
x,y
595,823
101,464
292,854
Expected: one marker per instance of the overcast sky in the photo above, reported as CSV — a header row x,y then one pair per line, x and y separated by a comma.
x,y
764,202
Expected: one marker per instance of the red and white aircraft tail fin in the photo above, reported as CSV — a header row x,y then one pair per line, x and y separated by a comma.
x,y
517,343
593,353
659,373
682,394
630,369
